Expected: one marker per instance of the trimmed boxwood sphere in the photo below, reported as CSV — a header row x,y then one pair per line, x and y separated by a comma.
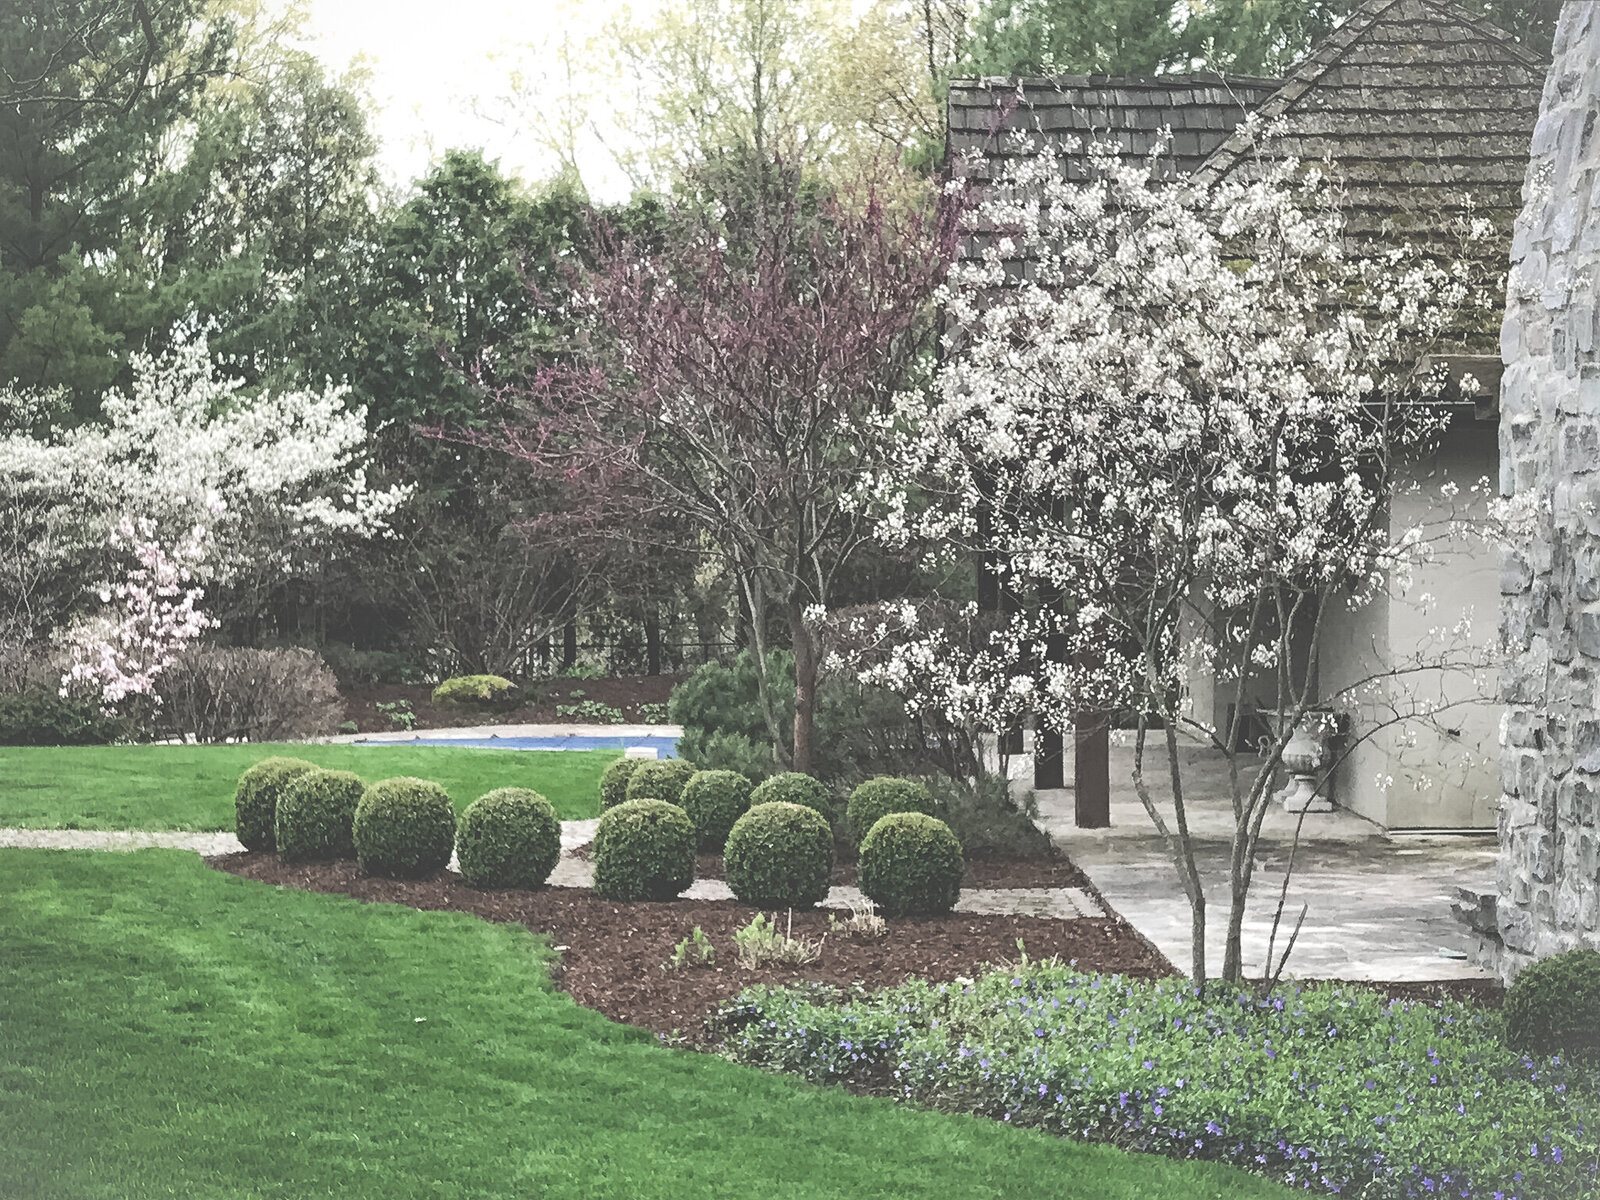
x,y
255,803
791,787
614,781
879,797
660,779
643,850
714,800
779,855
910,863
404,828
315,814
508,838
1553,1007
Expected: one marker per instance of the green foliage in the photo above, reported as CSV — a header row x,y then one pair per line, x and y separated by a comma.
x,y
660,779
591,712
1553,1007
315,813
404,828
911,863
614,781
400,713
1387,1099
695,950
723,698
643,850
714,800
791,787
760,944
255,802
476,691
509,838
718,751
987,820
39,717
653,714
884,795
779,855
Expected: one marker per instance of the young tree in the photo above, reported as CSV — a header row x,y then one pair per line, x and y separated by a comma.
x,y
1175,438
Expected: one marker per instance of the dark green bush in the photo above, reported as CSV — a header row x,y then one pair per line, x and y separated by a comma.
x,y
37,717
987,819
910,863
714,750
643,850
1553,1007
315,813
255,803
660,779
884,795
508,838
714,800
779,855
476,691
404,828
791,787
614,781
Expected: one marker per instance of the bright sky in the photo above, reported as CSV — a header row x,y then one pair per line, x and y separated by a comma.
x,y
432,62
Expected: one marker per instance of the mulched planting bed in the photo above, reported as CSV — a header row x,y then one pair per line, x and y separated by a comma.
x,y
625,693
614,952
1045,871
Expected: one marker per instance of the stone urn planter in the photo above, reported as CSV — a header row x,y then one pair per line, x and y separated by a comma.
x,y
1308,758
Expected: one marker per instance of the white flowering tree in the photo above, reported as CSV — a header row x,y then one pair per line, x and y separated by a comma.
x,y
267,479
1175,438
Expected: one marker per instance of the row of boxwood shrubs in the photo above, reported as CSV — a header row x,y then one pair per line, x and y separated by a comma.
x,y
776,837
401,828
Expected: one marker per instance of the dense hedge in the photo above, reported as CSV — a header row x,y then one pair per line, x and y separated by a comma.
x,y
779,855
315,813
475,691
660,779
508,838
255,803
791,787
910,863
643,850
404,828
1553,1007
614,781
884,795
714,800
40,717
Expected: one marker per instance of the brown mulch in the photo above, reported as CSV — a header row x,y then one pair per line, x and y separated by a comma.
x,y
623,692
614,952
1039,871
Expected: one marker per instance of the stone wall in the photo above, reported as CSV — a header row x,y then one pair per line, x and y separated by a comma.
x,y
1550,468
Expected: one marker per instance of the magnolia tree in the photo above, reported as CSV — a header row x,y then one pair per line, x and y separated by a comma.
x,y
1175,438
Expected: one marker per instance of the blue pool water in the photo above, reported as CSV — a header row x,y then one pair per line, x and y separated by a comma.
x,y
665,747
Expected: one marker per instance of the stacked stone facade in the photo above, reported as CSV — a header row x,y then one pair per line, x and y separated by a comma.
x,y
1549,885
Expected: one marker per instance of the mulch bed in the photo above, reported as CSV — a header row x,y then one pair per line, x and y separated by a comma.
x,y
622,692
1040,871
614,952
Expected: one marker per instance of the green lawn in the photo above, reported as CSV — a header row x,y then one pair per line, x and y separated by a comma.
x,y
191,787
166,1030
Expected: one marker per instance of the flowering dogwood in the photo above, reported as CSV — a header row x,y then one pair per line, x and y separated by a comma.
x,y
1174,437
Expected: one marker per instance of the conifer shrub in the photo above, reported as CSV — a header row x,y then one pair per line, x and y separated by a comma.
x,y
404,828
1553,1007
660,779
255,803
508,838
643,850
791,787
476,691
910,863
779,855
714,800
315,814
884,795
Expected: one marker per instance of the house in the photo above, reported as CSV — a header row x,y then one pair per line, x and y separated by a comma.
x,y
1424,115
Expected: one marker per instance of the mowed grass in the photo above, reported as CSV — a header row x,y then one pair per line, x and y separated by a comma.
x,y
167,1030
191,787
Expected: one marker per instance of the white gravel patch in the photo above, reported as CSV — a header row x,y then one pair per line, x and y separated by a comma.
x,y
120,839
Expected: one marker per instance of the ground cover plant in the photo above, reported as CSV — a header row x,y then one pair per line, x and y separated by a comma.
x,y
192,787
281,1043
1324,1088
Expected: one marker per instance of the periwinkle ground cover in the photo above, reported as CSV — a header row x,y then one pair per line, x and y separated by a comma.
x,y
1324,1088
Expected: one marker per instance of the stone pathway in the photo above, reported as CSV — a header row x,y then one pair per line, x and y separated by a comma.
x,y
572,871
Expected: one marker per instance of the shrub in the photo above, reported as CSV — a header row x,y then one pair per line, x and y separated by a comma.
x,y
779,855
508,838
315,812
791,787
40,717
911,863
660,779
879,797
255,803
1553,1007
475,691
714,800
986,819
715,750
404,828
643,850
214,695
614,781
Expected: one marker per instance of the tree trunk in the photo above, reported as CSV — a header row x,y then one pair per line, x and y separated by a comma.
x,y
1091,771
805,687
569,645
652,642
